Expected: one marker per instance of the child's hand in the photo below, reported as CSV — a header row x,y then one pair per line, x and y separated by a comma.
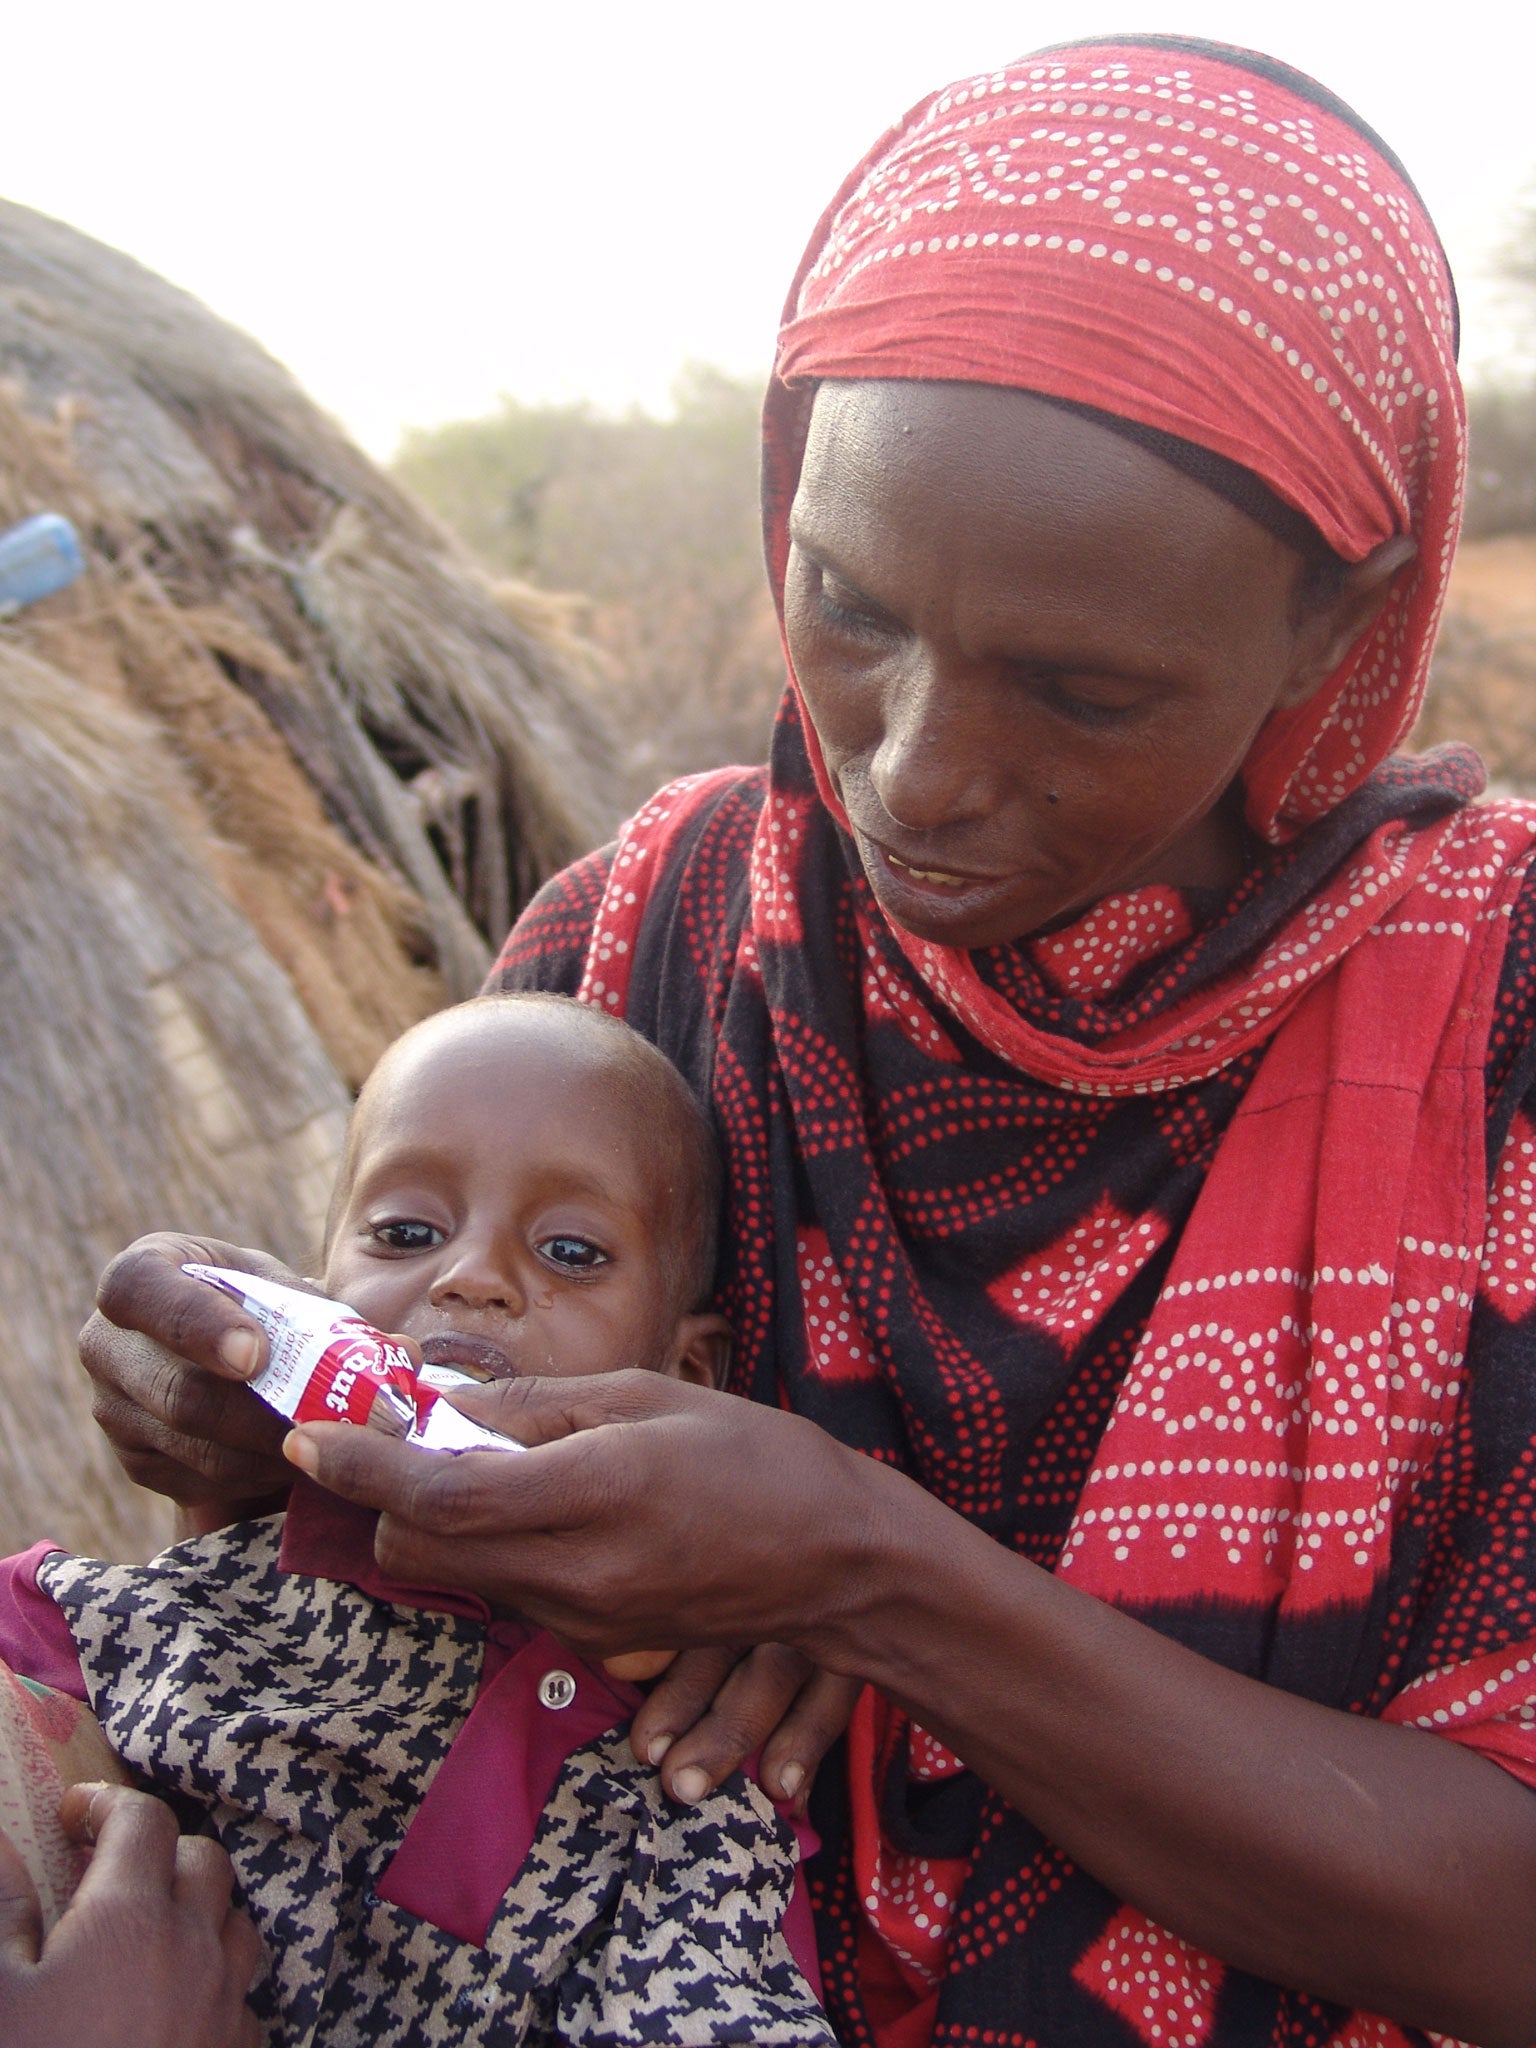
x,y
149,1953
713,1708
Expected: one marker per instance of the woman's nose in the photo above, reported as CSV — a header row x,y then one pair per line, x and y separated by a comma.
x,y
936,759
479,1277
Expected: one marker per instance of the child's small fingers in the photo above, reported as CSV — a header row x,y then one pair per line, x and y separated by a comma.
x,y
242,1949
205,1877
132,1837
84,1808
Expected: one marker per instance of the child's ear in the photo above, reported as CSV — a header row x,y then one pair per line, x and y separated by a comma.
x,y
701,1350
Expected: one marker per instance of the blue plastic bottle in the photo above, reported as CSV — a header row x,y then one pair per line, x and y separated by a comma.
x,y
37,558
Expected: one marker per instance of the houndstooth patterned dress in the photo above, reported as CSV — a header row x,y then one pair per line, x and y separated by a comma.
x,y
304,1721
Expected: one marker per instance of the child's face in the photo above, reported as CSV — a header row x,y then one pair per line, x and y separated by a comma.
x,y
505,1209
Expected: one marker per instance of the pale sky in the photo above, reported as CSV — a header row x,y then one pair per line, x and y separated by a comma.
x,y
421,207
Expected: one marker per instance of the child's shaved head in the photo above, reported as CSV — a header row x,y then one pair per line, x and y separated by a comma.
x,y
641,1086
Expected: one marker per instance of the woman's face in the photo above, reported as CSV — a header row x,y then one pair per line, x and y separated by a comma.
x,y
1034,655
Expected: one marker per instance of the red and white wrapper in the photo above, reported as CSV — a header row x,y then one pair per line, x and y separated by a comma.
x,y
325,1364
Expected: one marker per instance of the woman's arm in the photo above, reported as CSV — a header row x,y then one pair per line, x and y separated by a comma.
x,y
1373,1865
1378,1866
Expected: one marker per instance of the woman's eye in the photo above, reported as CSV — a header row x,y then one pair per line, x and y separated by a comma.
x,y
406,1234
575,1254
849,613
1080,710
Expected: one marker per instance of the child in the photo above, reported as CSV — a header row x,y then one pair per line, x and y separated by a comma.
x,y
432,1809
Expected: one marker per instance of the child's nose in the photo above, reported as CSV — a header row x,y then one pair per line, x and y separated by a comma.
x,y
479,1279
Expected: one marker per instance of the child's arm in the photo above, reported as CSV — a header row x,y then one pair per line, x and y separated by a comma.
x,y
148,1954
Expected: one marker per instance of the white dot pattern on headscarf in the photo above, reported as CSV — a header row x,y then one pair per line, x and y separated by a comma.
x,y
1191,246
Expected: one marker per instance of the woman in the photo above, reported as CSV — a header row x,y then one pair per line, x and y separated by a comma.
x,y
1122,1069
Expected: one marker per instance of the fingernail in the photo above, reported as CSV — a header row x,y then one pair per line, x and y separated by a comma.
x,y
660,1744
791,1778
90,1826
689,1786
298,1450
237,1349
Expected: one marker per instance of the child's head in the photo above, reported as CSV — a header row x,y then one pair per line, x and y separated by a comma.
x,y
530,1187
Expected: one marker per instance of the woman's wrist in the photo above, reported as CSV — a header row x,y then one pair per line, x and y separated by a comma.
x,y
901,1572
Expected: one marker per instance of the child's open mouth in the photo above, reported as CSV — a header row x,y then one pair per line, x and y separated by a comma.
x,y
452,1357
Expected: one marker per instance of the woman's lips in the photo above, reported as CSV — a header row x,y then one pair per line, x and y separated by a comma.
x,y
474,1358
933,873
928,878
938,878
947,906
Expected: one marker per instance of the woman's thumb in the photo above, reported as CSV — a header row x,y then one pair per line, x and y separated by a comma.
x,y
21,1913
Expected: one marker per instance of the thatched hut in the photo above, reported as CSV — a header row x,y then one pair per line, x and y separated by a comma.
x,y
280,769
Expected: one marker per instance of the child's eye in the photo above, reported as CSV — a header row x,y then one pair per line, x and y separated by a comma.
x,y
406,1234
576,1254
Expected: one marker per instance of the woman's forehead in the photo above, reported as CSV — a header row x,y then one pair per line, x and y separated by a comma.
x,y
1005,464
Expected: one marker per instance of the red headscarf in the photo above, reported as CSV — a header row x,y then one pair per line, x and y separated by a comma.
x,y
1201,242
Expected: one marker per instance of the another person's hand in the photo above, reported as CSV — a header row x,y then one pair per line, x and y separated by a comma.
x,y
150,1953
166,1354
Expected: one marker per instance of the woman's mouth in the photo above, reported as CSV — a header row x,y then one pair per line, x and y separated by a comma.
x,y
929,876
452,1356
949,906
938,878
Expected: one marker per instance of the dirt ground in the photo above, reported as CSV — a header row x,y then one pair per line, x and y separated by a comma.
x,y
1483,684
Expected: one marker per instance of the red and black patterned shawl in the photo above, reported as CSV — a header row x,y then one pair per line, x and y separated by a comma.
x,y
1187,1250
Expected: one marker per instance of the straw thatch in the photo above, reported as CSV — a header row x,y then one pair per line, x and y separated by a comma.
x,y
281,768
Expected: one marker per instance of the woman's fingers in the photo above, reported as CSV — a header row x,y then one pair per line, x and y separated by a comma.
x,y
820,1712
644,1511
145,1289
476,1493
542,1411
678,1700
166,1354
772,1699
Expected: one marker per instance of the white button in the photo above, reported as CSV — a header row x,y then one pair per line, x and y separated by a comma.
x,y
556,1689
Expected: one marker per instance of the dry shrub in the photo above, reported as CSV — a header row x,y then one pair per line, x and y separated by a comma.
x,y
657,522
1483,682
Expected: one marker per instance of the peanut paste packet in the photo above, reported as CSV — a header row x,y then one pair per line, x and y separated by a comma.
x,y
325,1364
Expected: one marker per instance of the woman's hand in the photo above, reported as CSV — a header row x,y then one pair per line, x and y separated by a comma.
x,y
167,1354
653,1512
150,1953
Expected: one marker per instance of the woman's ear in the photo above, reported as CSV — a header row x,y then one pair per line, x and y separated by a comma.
x,y
1333,627
701,1350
